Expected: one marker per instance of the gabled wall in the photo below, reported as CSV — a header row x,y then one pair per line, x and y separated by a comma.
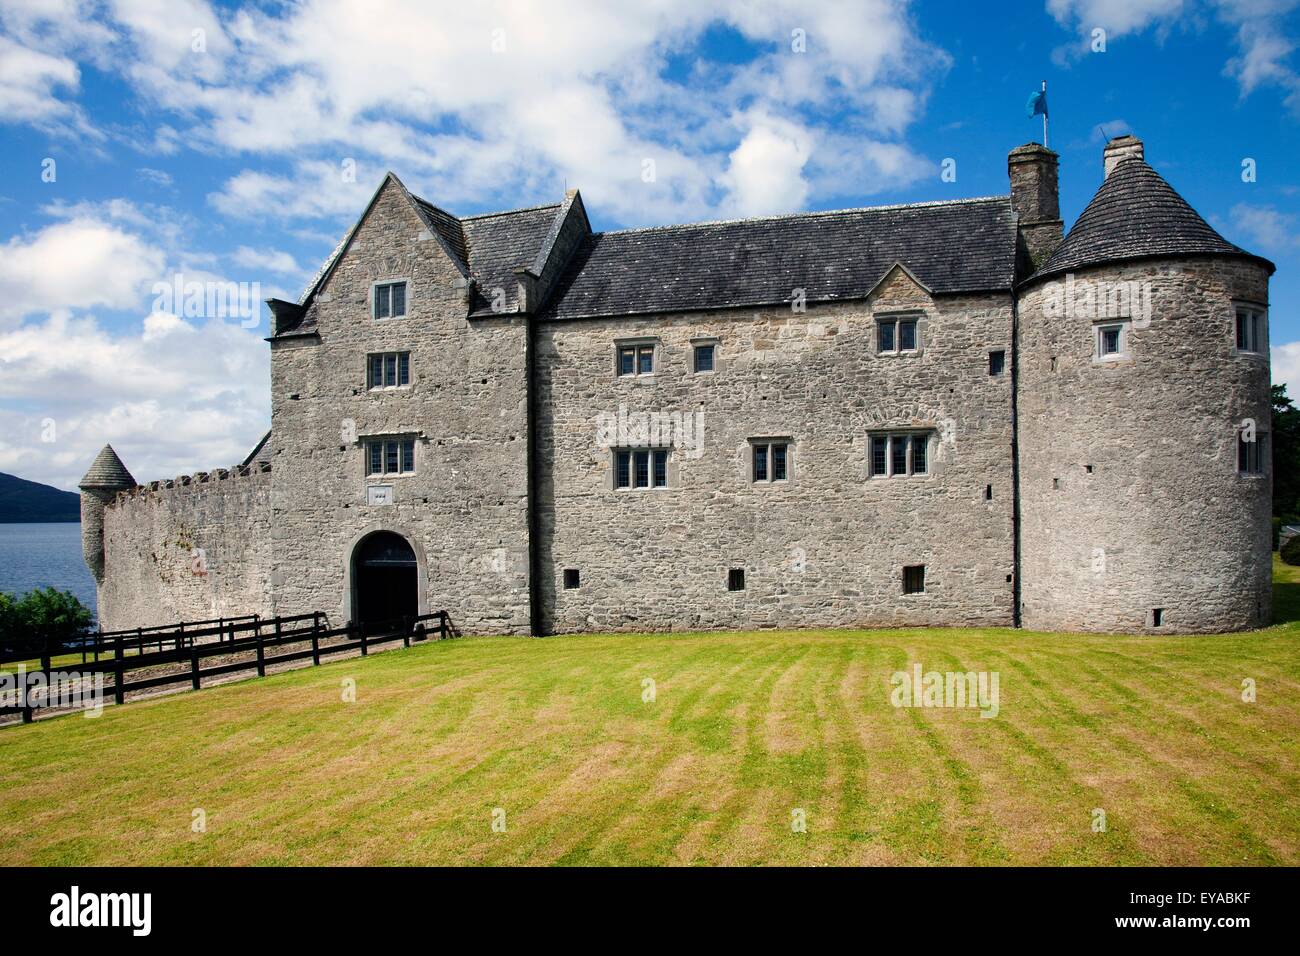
x,y
465,508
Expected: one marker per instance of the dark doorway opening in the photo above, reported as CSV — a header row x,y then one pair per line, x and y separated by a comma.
x,y
385,579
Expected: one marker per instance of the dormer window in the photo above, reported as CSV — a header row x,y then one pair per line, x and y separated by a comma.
x,y
897,334
389,300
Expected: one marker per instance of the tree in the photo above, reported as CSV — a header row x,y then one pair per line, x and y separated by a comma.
x,y
1286,455
40,615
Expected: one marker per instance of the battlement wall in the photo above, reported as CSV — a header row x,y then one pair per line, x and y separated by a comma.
x,y
188,548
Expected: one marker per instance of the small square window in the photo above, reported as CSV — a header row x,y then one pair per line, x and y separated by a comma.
x,y
736,579
771,461
997,362
390,300
1112,340
570,579
914,579
636,360
704,358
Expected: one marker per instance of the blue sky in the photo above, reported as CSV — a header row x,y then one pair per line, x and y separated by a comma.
x,y
235,143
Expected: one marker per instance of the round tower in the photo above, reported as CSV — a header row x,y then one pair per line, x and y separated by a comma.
x,y
105,478
1143,410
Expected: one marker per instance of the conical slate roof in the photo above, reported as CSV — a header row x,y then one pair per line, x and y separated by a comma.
x,y
1137,215
107,471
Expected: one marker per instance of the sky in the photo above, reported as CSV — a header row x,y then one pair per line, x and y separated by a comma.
x,y
146,143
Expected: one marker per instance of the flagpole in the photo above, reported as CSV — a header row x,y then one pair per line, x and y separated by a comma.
x,y
1044,116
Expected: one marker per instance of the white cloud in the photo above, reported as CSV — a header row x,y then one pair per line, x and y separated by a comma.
x,y
765,172
173,398
272,260
28,80
80,263
483,99
1264,226
1285,361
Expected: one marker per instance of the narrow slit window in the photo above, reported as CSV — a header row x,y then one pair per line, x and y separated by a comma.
x,y
997,362
898,455
1251,336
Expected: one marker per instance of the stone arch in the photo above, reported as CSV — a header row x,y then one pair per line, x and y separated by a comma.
x,y
355,548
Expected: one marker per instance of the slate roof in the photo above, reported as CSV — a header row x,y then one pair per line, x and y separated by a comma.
x,y
107,471
498,244
959,246
1137,215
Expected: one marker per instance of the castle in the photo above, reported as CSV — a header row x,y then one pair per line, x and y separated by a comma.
x,y
943,413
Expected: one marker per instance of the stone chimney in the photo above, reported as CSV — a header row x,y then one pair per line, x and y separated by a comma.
x,y
1120,148
1035,199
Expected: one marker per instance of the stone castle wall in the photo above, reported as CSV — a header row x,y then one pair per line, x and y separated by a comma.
x,y
190,549
825,548
1131,500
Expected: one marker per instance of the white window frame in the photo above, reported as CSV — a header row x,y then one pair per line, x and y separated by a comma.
x,y
1124,327
910,436
383,384
1257,329
896,320
388,284
383,441
637,347
767,444
651,455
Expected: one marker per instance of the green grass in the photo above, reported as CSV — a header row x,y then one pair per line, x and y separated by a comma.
x,y
745,729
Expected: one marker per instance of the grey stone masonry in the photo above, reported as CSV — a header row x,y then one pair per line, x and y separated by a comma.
x,y
916,415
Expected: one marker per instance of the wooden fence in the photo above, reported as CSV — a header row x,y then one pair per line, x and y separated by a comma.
x,y
266,640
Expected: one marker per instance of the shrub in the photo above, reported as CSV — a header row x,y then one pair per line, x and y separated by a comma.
x,y
41,615
1291,551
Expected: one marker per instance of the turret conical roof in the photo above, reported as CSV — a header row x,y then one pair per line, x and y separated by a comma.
x,y
107,471
1137,215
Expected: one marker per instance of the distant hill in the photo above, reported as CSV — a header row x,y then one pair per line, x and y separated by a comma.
x,y
23,500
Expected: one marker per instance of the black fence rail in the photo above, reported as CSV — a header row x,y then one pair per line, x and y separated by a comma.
x,y
140,640
268,641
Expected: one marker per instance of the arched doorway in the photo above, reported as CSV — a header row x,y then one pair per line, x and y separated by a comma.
x,y
385,579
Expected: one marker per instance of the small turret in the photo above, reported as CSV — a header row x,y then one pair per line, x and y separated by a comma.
x,y
104,479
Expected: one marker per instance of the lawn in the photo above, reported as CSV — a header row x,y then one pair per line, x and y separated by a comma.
x,y
554,738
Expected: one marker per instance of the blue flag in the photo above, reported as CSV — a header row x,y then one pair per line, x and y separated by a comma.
x,y
1037,103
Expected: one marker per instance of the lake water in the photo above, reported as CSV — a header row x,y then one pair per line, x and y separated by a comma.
x,y
44,555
